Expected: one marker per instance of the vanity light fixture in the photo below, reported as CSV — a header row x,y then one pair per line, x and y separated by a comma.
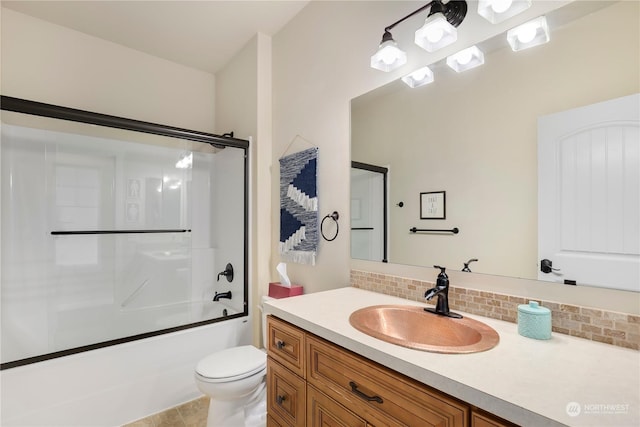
x,y
466,59
439,30
419,77
496,11
389,56
529,34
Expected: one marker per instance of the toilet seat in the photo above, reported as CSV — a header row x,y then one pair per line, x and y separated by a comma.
x,y
232,364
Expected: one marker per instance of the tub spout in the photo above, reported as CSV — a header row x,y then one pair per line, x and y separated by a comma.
x,y
219,296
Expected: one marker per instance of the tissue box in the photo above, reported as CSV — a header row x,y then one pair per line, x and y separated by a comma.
x,y
277,290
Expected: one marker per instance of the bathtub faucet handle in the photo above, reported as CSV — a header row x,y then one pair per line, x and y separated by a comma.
x,y
228,273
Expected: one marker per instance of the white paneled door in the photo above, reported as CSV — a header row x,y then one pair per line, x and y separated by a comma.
x,y
589,195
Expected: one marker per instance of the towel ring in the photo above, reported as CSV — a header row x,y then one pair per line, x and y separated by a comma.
x,y
334,216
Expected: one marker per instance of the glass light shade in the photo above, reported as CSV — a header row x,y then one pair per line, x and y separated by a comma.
x,y
529,34
496,11
388,57
436,33
419,77
466,59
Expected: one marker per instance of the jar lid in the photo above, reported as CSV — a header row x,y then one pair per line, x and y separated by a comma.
x,y
533,308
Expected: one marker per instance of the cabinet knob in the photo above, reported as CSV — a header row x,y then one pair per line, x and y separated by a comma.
x,y
280,399
280,344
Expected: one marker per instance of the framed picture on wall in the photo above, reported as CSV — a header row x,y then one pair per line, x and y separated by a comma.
x,y
433,205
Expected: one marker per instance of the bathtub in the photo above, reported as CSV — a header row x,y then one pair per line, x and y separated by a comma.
x,y
114,385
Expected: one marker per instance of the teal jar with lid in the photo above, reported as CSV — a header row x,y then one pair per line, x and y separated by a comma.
x,y
534,321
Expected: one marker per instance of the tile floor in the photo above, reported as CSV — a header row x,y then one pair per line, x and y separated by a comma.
x,y
190,414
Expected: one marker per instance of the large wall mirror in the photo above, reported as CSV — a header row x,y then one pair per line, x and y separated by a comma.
x,y
477,140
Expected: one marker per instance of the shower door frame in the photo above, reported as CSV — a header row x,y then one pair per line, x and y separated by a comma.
x,y
35,108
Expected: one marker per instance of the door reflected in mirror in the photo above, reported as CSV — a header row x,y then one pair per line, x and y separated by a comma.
x,y
368,212
475,135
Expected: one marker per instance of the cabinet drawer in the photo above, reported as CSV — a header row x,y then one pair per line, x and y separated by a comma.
x,y
322,411
285,343
379,395
286,395
482,419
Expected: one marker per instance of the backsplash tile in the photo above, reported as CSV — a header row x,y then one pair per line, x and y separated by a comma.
x,y
609,327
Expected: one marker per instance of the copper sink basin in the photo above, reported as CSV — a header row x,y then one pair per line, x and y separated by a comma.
x,y
412,327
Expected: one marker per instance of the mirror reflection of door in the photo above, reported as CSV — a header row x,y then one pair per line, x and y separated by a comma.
x,y
368,212
589,194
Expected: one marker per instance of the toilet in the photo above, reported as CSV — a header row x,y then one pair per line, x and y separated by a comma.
x,y
235,381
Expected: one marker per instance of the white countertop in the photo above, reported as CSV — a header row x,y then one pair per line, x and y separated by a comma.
x,y
526,381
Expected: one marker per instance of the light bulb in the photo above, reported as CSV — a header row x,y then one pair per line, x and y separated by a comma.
x,y
496,11
388,56
419,75
500,6
464,57
435,34
527,33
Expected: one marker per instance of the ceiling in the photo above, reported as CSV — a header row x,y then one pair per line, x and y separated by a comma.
x,y
199,34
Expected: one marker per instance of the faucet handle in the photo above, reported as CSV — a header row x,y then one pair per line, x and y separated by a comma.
x,y
228,273
442,269
443,279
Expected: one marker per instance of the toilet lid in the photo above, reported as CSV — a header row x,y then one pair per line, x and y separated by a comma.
x,y
232,363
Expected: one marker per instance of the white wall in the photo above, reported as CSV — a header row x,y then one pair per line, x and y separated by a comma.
x,y
321,62
53,64
243,105
111,386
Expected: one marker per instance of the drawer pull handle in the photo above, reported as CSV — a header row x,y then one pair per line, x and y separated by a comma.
x,y
280,344
354,388
280,399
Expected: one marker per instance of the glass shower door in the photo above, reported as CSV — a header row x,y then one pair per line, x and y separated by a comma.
x,y
109,234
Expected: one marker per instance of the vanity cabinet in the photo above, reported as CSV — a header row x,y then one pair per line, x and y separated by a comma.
x,y
315,383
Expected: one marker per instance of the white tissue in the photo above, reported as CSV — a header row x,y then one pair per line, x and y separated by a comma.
x,y
282,271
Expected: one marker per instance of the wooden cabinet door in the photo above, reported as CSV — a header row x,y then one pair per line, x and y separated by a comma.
x,y
286,395
271,422
322,411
